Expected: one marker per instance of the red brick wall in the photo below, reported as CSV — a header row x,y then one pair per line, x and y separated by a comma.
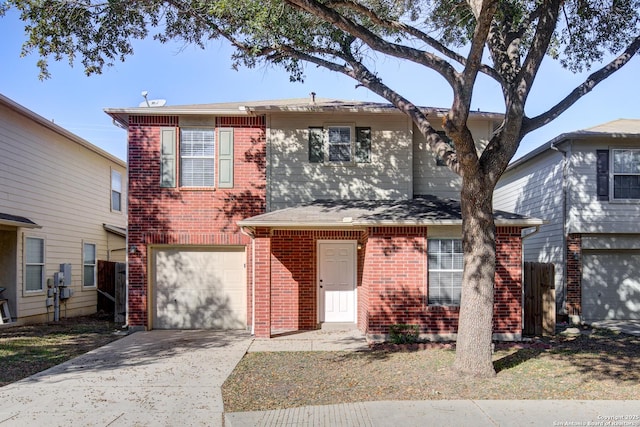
x,y
262,248
507,315
395,279
180,216
574,274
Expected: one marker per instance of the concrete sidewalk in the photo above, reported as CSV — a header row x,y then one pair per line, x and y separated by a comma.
x,y
156,378
171,378
440,413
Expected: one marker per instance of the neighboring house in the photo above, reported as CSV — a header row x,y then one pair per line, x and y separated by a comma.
x,y
280,216
586,184
62,201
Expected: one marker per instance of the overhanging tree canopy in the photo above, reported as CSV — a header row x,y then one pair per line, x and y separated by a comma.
x,y
505,40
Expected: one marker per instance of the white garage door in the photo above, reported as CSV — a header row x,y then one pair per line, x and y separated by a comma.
x,y
200,288
611,285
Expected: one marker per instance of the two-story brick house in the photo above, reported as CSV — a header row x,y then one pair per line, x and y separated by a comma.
x,y
280,216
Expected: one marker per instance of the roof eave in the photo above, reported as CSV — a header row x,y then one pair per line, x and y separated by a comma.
x,y
530,222
22,224
565,137
121,115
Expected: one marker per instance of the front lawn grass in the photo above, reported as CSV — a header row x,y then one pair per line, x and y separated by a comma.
x,y
595,365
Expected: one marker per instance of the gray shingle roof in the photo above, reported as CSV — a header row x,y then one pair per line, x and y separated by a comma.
x,y
19,221
422,210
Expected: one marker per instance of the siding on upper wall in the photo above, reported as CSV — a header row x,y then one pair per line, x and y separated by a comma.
x,y
66,189
431,179
535,189
293,179
587,214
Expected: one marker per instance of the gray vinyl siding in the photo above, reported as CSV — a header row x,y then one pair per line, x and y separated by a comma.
x,y
586,213
431,179
535,189
293,179
65,188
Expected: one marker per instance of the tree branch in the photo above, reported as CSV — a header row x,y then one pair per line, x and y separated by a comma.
x,y
375,42
587,86
544,31
413,31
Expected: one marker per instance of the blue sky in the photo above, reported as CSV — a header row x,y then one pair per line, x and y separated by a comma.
x,y
188,75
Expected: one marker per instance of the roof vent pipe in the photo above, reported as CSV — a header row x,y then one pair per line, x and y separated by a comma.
x,y
313,97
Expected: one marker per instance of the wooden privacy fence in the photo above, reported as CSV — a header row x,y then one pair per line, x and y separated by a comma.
x,y
112,289
539,299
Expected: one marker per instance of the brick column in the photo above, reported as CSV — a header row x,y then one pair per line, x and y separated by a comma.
x,y
574,274
262,286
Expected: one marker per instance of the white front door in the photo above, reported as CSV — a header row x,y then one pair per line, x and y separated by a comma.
x,y
337,281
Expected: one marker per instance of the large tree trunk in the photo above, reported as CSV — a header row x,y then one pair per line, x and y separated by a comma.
x,y
475,328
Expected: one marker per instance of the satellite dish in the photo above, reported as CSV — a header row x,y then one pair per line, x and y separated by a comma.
x,y
153,103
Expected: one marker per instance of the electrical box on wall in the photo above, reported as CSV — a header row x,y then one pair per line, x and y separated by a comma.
x,y
66,293
58,279
66,270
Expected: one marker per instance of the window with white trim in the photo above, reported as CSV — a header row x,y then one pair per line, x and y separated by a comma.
x,y
197,157
34,264
89,264
340,144
445,261
116,191
626,174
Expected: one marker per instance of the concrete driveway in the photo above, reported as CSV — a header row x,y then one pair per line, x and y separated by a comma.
x,y
156,378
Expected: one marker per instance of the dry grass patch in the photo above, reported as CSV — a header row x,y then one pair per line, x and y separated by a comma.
x,y
600,365
26,350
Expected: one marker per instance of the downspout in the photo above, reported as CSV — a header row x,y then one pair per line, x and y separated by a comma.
x,y
251,235
563,308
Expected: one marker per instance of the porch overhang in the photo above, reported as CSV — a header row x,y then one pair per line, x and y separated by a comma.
x,y
360,214
114,229
17,221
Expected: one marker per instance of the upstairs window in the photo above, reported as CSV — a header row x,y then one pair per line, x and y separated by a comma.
x,y
340,144
116,191
618,174
626,174
197,158
445,261
205,159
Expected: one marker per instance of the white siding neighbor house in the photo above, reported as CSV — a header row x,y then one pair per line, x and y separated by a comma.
x,y
586,185
62,202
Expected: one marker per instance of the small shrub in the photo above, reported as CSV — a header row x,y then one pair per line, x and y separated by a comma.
x,y
404,334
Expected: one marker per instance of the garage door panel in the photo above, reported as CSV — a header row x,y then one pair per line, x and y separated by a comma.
x,y
200,289
611,286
